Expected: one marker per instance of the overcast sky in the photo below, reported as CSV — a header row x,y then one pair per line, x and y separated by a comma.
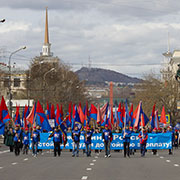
x,y
117,32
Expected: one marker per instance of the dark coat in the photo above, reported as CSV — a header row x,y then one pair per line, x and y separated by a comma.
x,y
9,139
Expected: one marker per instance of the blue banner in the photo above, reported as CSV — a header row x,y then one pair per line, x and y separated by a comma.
x,y
155,141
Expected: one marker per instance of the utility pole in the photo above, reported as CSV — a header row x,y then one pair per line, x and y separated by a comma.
x,y
10,93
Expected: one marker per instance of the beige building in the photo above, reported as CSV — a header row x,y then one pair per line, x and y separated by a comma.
x,y
171,61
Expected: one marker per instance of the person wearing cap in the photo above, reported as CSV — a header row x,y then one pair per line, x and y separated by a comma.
x,y
132,151
38,128
97,131
169,130
176,139
17,144
143,136
25,141
10,139
107,138
57,139
35,137
88,134
20,134
154,131
126,141
83,132
76,140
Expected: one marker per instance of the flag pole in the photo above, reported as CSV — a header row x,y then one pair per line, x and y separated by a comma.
x,y
124,124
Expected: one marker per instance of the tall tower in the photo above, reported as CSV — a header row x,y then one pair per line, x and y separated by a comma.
x,y
46,49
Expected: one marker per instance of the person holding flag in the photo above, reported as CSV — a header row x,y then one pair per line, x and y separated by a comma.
x,y
76,139
169,130
25,141
154,131
35,140
17,144
57,139
143,136
88,134
126,140
107,138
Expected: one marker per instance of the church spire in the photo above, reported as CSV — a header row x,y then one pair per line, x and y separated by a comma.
x,y
46,39
46,50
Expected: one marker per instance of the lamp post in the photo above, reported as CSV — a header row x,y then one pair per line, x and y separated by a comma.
x,y
2,20
9,64
44,83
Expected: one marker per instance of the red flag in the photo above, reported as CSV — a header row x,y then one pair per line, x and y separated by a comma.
x,y
53,116
103,110
81,115
24,115
70,111
74,111
99,117
136,115
30,117
163,116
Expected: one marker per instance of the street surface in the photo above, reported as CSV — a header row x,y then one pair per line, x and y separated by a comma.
x,y
96,167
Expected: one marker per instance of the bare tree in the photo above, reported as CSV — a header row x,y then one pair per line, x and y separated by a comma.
x,y
153,90
54,82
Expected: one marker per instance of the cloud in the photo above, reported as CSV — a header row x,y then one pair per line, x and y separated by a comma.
x,y
114,33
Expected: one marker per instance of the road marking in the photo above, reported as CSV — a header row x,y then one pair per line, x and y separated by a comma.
x,y
25,159
94,160
161,157
96,157
6,151
168,160
2,152
14,163
1,167
89,169
176,165
91,164
84,177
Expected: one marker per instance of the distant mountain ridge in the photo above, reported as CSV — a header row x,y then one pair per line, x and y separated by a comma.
x,y
98,75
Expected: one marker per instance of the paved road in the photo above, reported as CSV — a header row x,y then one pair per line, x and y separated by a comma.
x,y
46,167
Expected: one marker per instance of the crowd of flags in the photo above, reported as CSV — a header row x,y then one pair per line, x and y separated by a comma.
x,y
122,116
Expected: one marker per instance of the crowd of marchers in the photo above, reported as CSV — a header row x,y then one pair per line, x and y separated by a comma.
x,y
18,139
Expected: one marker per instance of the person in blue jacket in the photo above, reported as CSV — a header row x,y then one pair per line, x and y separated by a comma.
x,y
76,139
39,129
35,137
25,141
57,139
154,131
126,141
143,136
17,144
87,135
107,138
169,130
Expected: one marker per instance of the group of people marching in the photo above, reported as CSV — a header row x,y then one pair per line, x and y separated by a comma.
x,y
18,139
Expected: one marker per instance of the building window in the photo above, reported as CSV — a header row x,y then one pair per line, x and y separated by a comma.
x,y
6,83
16,82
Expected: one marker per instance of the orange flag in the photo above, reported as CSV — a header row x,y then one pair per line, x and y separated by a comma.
x,y
163,116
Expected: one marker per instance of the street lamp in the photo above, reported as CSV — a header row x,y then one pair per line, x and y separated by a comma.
x,y
2,20
44,83
9,64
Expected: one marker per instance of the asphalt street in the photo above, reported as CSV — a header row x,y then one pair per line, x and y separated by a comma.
x,y
96,167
